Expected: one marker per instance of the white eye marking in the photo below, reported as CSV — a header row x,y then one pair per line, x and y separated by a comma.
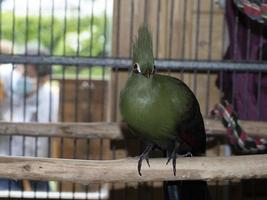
x,y
136,68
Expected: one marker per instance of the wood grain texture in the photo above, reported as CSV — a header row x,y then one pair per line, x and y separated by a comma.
x,y
66,130
253,128
108,130
125,170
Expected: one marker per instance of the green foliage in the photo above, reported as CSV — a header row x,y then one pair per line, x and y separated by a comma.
x,y
59,37
83,73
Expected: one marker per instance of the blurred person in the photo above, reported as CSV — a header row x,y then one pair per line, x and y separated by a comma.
x,y
28,97
5,48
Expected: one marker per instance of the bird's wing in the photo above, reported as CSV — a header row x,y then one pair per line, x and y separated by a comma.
x,y
190,124
193,133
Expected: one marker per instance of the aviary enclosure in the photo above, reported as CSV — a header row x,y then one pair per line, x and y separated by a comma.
x,y
210,45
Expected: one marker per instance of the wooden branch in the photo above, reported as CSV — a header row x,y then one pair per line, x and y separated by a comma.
x,y
107,130
125,170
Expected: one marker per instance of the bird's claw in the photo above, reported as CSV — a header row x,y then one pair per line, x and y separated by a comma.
x,y
169,159
147,161
139,166
144,155
173,158
174,165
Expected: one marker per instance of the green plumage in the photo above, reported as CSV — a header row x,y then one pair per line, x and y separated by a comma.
x,y
156,108
160,109
143,50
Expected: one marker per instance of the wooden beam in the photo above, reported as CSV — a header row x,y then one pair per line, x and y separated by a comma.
x,y
125,170
253,128
66,130
108,130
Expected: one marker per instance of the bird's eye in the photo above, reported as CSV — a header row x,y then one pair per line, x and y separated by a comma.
x,y
136,68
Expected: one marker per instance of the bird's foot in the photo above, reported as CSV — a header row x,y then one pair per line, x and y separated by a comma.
x,y
144,155
172,157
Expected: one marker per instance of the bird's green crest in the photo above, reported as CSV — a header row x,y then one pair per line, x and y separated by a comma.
x,y
143,50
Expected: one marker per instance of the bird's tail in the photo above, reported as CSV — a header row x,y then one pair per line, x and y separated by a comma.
x,y
186,190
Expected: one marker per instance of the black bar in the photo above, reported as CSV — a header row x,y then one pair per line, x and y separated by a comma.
x,y
145,12
223,43
171,30
104,51
65,26
131,28
197,30
158,28
78,28
52,28
91,29
211,16
184,29
0,26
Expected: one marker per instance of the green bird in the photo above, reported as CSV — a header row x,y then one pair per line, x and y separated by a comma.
x,y
161,110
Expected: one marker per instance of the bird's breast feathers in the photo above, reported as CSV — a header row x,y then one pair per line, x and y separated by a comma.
x,y
153,108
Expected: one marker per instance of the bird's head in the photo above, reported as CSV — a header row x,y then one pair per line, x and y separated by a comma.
x,y
143,60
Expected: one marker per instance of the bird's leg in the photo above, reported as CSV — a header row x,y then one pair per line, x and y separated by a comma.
x,y
144,155
172,156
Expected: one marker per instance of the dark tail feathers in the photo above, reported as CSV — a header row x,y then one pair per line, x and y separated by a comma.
x,y
186,190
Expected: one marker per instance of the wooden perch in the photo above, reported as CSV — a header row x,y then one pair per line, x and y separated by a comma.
x,y
125,170
108,130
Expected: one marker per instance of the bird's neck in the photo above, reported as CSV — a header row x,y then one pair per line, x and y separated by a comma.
x,y
141,83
